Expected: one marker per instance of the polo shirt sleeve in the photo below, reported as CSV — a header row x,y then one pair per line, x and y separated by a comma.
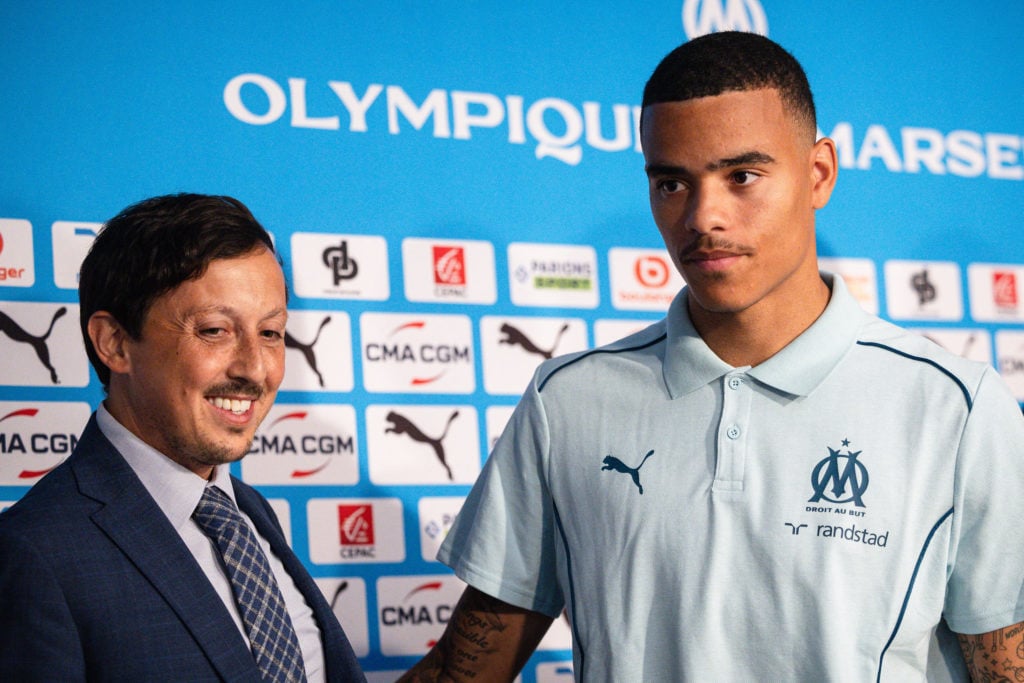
x,y
503,541
985,591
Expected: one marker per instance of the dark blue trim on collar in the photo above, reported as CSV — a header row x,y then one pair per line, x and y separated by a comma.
x,y
603,349
929,361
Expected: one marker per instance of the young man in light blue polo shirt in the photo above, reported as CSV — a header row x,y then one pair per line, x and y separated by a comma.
x,y
769,484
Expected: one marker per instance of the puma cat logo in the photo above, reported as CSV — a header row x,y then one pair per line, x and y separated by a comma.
x,y
400,424
306,350
613,463
38,344
515,337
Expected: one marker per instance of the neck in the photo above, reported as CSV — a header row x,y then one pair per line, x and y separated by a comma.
x,y
754,335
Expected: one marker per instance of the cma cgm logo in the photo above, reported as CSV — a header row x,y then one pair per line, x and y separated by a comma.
x,y
423,353
701,17
46,447
418,612
306,443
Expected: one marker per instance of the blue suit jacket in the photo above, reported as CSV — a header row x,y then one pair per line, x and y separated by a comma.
x,y
96,584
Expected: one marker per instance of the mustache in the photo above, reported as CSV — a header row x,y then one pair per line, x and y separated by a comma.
x,y
707,243
240,388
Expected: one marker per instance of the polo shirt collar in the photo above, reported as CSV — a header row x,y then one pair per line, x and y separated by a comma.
x,y
796,370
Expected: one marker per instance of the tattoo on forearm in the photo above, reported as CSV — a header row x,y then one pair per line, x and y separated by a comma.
x,y
995,657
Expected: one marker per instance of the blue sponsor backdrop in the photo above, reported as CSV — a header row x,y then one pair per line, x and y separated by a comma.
x,y
471,121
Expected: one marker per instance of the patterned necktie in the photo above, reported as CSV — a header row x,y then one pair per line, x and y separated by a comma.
x,y
273,639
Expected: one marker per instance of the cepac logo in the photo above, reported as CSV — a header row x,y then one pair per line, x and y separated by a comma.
x,y
701,17
642,279
410,444
553,275
1004,289
513,347
304,444
347,598
334,266
414,611
17,257
924,290
449,271
41,345
355,530
425,353
318,352
35,437
437,514
995,292
71,242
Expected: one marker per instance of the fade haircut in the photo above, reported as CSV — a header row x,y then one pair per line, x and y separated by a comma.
x,y
731,61
152,247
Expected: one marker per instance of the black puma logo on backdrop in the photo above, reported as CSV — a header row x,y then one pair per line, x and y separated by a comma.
x,y
613,463
400,424
515,337
38,344
306,350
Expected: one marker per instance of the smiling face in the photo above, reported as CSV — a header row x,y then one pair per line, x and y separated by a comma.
x,y
734,180
204,372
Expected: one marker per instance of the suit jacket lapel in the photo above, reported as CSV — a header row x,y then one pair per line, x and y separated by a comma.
x,y
133,521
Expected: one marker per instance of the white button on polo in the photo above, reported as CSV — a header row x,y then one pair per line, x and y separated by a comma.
x,y
733,432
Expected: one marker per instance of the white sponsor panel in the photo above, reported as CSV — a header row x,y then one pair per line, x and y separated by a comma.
x,y
318,353
701,17
1010,363
421,444
553,275
17,259
554,672
559,635
996,292
513,347
607,331
969,343
355,530
860,278
497,418
384,676
642,279
283,511
347,598
333,266
41,345
417,353
5,504
304,444
436,517
923,290
71,242
449,271
36,436
413,611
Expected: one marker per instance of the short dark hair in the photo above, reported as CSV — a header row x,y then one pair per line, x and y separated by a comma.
x,y
731,61
152,247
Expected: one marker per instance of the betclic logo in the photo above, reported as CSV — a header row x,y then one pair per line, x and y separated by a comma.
x,y
331,266
318,352
41,345
414,610
417,353
513,347
355,530
71,242
17,258
304,444
37,436
423,444
449,271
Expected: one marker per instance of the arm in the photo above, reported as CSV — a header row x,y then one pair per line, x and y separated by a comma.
x,y
995,656
486,639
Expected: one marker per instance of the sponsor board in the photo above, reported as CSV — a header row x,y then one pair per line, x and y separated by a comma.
x,y
513,347
41,345
17,258
436,517
318,352
996,292
304,444
607,331
642,279
554,672
1010,360
347,598
923,290
332,266
283,511
497,418
859,276
36,436
423,444
417,353
553,275
449,271
351,530
414,610
974,344
71,242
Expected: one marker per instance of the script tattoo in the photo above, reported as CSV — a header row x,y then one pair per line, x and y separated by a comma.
x,y
995,657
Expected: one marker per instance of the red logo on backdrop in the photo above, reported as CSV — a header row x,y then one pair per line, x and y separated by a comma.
x,y
356,524
449,266
651,271
1004,289
1,242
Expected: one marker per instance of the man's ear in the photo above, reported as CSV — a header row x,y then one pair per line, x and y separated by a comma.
x,y
110,342
824,168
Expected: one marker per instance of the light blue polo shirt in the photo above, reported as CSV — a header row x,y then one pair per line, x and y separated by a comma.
x,y
812,518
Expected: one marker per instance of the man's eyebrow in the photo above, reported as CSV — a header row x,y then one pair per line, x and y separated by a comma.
x,y
729,162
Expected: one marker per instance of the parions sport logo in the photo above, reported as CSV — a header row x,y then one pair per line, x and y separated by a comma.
x,y
35,437
424,353
414,611
304,444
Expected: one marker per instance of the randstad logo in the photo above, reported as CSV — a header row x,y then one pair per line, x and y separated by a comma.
x,y
701,17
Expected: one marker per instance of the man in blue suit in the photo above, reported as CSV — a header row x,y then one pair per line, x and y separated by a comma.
x,y
104,572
